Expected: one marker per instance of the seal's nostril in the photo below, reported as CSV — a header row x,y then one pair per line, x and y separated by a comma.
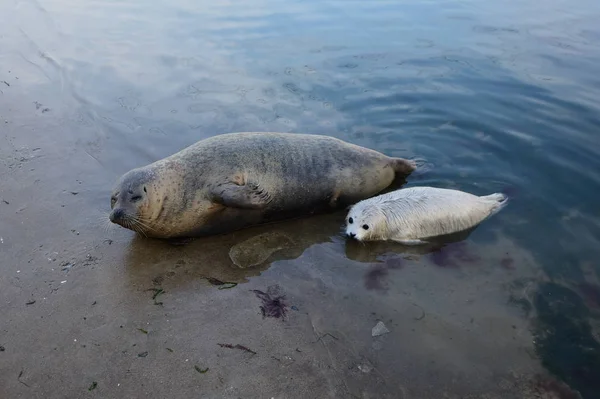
x,y
351,235
116,215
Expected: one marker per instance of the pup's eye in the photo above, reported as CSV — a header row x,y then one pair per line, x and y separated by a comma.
x,y
136,198
112,201
350,221
145,190
366,226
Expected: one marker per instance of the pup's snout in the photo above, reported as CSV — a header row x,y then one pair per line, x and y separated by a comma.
x,y
350,235
116,215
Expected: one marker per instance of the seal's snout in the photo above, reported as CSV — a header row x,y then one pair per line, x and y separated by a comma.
x,y
351,235
117,215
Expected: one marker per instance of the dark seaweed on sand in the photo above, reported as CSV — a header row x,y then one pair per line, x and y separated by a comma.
x,y
201,371
223,285
157,292
272,304
237,346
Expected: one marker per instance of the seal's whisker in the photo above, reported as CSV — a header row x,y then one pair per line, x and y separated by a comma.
x,y
141,223
140,219
138,227
101,219
136,222
106,225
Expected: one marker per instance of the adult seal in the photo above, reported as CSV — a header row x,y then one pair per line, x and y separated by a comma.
x,y
236,180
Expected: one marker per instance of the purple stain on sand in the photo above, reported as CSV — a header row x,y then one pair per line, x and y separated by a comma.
x,y
441,258
465,256
273,304
375,276
550,387
508,263
453,255
395,262
591,294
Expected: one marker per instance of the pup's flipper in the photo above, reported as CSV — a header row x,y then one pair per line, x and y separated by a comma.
x,y
411,242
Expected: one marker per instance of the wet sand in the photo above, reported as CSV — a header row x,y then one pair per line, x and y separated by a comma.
x,y
79,318
89,309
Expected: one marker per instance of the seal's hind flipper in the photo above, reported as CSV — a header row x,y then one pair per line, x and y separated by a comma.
x,y
403,166
246,196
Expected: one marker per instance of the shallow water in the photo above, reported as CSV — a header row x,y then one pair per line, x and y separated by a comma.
x,y
492,96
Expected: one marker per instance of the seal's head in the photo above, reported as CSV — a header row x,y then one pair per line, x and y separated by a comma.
x,y
131,199
365,221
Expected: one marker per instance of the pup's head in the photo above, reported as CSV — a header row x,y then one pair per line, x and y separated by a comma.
x,y
364,221
131,199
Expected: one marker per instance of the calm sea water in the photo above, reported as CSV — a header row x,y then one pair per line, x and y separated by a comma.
x,y
491,95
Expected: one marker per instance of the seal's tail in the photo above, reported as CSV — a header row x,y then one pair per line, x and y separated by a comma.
x,y
403,166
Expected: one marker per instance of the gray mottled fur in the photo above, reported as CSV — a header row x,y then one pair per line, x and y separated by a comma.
x,y
413,214
235,180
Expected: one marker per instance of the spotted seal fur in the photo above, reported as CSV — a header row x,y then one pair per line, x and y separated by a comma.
x,y
235,180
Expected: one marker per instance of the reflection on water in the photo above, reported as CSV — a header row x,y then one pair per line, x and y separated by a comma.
x,y
492,96
230,257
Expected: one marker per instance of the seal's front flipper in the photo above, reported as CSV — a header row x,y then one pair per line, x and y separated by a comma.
x,y
411,242
246,196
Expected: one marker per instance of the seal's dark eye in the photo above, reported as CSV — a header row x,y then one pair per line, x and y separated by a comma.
x,y
136,198
366,226
350,221
145,190
113,200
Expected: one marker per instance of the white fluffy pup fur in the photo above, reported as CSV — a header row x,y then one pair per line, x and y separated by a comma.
x,y
409,215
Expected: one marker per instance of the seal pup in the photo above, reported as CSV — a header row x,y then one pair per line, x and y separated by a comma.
x,y
235,180
412,215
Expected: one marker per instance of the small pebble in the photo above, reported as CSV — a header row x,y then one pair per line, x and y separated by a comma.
x,y
365,368
379,329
